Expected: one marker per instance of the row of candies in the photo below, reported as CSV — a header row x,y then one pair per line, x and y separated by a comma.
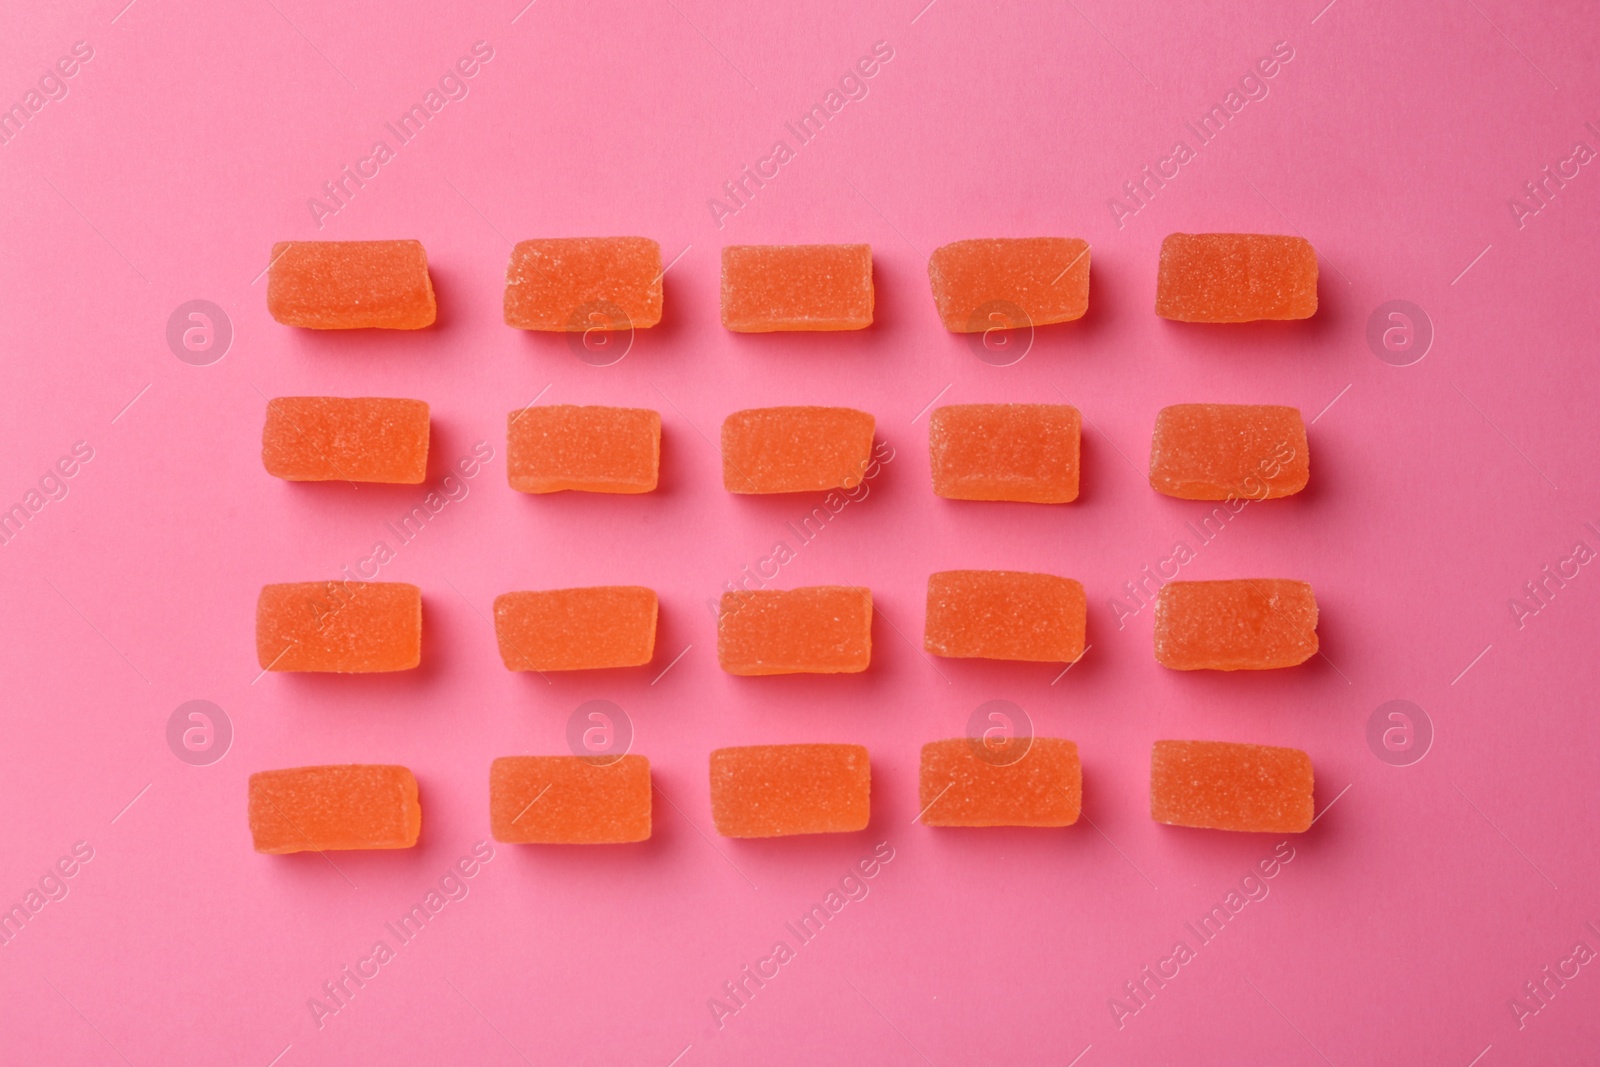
x,y
781,791
1010,452
365,627
583,284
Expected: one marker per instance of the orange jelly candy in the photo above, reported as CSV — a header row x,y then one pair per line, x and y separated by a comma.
x,y
966,781
1236,277
569,800
576,629
819,629
588,449
779,790
1244,624
1025,281
350,285
1004,615
573,284
767,288
795,450
339,627
319,809
1218,785
1229,451
1024,452
356,439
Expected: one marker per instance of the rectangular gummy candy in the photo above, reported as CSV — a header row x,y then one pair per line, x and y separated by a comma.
x,y
779,790
795,449
576,629
319,809
767,288
354,439
1229,451
569,800
1024,452
1217,785
819,629
1010,282
967,781
588,449
339,627
1241,624
1236,277
1005,615
349,285
572,284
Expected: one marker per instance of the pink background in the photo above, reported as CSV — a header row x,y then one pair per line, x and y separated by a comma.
x,y
1409,915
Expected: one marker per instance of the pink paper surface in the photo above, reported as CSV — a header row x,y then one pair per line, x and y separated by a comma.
x,y
1396,138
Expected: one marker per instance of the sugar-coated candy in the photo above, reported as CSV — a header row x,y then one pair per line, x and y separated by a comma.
x,y
587,449
1018,781
795,449
576,629
779,790
575,284
350,285
1236,277
1005,615
768,288
820,629
1229,451
569,800
1219,785
339,626
353,439
343,806
982,284
1022,452
1237,624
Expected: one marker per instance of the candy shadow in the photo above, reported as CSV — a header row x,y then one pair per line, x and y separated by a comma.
x,y
1277,693
1011,676
676,466
599,864
900,310
676,635
796,511
448,448
671,326
352,870
447,286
